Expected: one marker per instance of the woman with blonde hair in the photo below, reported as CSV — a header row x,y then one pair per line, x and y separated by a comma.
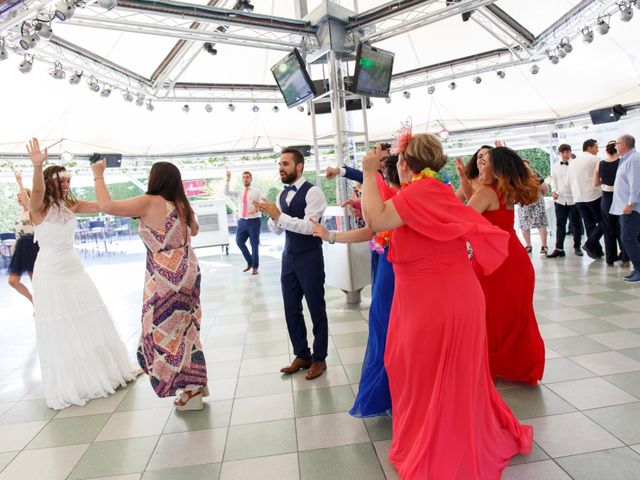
x,y
516,349
81,354
170,351
449,422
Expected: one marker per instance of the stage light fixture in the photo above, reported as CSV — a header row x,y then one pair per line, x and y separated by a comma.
x,y
255,108
208,47
565,44
4,53
93,85
244,5
106,91
208,108
535,69
150,106
107,4
64,10
560,52
406,94
431,89
231,107
140,100
637,4
127,96
501,74
388,99
75,78
57,71
477,79
603,25
43,30
553,58
186,108
275,109
26,64
587,35
626,11
300,108
28,41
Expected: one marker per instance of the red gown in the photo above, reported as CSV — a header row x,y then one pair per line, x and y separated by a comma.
x,y
516,349
449,422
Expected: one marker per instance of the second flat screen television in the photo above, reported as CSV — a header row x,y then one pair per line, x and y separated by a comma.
x,y
293,80
374,67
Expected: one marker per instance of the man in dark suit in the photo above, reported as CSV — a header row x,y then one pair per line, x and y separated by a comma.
x,y
302,262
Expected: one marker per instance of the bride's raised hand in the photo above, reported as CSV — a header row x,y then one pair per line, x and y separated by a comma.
x,y
36,155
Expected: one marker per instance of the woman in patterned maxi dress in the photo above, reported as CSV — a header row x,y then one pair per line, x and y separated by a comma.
x,y
170,351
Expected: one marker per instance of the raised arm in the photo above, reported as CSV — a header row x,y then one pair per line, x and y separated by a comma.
x,y
465,190
37,157
377,214
133,207
352,236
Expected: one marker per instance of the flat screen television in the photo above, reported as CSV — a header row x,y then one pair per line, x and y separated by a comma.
x,y
293,80
374,67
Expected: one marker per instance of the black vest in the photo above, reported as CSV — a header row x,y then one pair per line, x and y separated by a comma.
x,y
296,242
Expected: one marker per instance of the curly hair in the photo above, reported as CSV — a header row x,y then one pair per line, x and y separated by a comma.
x,y
516,183
53,194
424,151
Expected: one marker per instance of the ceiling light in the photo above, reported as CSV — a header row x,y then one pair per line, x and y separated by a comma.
x,y
92,83
534,69
603,25
208,47
452,86
275,109
127,96
561,52
501,74
587,35
406,94
44,30
26,65
553,58
477,79
208,108
231,107
565,44
186,108
150,106
626,12
244,5
4,54
431,89
74,79
388,99
107,4
300,108
444,133
140,100
277,149
222,29
66,156
64,10
57,71
106,91
255,109
28,41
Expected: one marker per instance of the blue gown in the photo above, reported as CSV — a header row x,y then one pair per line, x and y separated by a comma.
x,y
373,397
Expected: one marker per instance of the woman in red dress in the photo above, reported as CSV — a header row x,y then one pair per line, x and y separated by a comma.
x,y
449,423
516,349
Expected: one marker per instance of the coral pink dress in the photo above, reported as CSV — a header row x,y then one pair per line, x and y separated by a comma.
x,y
449,423
516,349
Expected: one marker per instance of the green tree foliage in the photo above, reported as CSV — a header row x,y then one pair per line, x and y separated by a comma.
x,y
118,191
9,208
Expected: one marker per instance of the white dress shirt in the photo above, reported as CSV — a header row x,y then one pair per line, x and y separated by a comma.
x,y
253,195
626,189
581,171
560,183
316,205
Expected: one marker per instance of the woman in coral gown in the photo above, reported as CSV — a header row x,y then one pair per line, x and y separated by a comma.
x,y
449,423
516,349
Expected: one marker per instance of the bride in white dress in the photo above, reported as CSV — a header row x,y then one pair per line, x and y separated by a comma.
x,y
81,354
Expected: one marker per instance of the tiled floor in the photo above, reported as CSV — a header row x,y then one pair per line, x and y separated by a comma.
x,y
259,424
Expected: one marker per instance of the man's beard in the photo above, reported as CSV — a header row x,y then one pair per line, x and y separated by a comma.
x,y
289,178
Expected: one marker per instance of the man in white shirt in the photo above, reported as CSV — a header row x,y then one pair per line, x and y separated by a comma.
x,y
564,205
249,220
626,201
302,262
587,197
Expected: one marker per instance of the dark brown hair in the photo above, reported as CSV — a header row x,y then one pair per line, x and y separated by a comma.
x,y
515,181
424,151
247,173
165,180
564,147
391,170
611,148
588,144
471,169
53,189
298,157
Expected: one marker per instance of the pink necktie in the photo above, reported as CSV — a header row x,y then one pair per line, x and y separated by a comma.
x,y
244,203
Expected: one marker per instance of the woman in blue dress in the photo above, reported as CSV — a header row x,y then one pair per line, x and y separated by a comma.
x,y
373,398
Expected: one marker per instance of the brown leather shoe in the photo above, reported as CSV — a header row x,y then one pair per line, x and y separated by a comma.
x,y
248,267
317,368
296,365
254,272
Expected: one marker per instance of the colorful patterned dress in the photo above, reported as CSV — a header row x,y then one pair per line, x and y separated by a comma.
x,y
170,351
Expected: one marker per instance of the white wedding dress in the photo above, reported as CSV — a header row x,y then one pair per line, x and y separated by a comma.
x,y
81,354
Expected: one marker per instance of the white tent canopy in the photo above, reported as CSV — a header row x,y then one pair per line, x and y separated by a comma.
x,y
603,73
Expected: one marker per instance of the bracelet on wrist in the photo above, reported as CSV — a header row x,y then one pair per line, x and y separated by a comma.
x,y
98,178
332,238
